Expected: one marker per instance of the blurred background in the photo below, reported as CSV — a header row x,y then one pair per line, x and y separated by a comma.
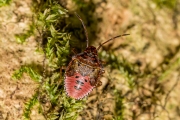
x,y
142,75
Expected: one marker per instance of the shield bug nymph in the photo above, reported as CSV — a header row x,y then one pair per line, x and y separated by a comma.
x,y
85,69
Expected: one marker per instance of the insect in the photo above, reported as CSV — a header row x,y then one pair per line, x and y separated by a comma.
x,y
85,69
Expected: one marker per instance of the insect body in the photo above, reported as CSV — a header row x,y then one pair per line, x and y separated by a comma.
x,y
84,71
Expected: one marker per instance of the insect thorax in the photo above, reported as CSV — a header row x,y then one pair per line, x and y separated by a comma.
x,y
82,68
89,57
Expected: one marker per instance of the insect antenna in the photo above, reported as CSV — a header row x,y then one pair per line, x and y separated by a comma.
x,y
101,44
86,33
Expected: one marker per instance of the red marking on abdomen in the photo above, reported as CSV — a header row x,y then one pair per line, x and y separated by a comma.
x,y
77,86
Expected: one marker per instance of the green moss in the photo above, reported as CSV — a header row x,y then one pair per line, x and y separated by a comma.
x,y
119,106
4,2
166,3
49,21
25,69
